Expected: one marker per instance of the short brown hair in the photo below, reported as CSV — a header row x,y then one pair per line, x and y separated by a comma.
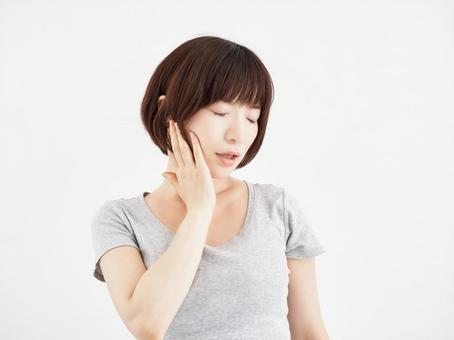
x,y
199,72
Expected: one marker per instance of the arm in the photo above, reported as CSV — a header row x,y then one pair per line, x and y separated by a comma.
x,y
161,290
304,315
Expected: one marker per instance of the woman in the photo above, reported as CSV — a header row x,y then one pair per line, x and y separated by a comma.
x,y
206,255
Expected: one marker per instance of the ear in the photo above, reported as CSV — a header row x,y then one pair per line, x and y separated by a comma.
x,y
161,99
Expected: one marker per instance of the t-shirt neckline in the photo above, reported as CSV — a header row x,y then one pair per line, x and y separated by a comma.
x,y
242,232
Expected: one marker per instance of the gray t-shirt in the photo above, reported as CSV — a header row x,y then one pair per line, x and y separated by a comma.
x,y
241,286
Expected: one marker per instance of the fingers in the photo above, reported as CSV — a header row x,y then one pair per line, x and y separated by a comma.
x,y
182,153
171,156
198,154
184,148
175,144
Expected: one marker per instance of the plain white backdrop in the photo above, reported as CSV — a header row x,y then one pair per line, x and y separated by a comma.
x,y
361,130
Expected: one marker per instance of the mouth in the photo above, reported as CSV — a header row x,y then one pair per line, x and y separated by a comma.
x,y
227,155
227,159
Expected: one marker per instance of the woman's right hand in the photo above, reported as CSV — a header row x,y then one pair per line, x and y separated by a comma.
x,y
192,179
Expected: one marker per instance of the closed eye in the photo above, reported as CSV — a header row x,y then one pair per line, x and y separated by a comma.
x,y
223,114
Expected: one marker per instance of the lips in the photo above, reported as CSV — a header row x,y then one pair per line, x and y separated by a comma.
x,y
227,155
227,160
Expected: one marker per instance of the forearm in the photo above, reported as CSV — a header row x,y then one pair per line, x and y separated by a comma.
x,y
318,333
162,289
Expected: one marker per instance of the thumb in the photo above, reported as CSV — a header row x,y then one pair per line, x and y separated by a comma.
x,y
171,177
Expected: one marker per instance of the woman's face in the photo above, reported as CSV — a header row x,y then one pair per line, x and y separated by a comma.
x,y
233,132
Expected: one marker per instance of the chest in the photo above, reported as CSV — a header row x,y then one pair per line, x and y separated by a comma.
x,y
247,280
227,221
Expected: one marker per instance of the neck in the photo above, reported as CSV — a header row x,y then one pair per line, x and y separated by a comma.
x,y
221,186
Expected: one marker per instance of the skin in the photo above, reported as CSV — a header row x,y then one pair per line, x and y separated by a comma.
x,y
234,131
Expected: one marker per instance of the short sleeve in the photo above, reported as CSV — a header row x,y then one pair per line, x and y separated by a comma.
x,y
301,240
110,228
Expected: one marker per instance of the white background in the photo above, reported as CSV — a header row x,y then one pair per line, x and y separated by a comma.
x,y
361,131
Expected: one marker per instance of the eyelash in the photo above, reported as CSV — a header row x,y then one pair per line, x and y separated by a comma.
x,y
223,114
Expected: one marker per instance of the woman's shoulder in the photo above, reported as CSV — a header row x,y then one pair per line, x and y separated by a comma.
x,y
268,195
268,188
119,204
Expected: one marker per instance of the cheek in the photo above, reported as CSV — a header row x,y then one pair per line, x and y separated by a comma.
x,y
208,139
205,136
202,127
253,135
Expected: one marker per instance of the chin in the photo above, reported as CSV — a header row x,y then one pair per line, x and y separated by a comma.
x,y
217,174
220,172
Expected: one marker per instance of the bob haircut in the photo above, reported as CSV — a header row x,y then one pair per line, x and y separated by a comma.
x,y
199,72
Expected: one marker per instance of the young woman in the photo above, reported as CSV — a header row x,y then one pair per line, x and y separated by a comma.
x,y
206,255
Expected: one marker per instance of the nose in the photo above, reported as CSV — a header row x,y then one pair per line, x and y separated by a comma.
x,y
236,130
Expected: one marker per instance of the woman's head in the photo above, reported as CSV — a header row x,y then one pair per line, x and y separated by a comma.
x,y
204,76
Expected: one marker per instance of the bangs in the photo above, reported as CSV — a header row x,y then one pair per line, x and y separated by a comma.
x,y
238,77
198,73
